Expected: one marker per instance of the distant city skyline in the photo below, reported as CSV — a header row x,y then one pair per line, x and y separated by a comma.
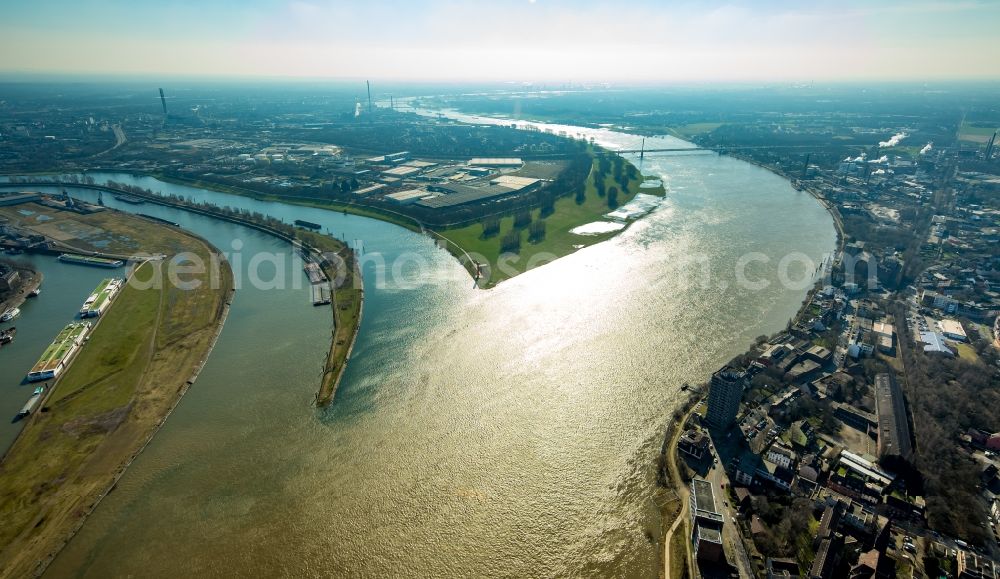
x,y
522,40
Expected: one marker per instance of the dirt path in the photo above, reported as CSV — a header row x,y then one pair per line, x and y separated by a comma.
x,y
680,488
667,541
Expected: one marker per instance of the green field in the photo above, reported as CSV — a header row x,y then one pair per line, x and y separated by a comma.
x,y
558,240
110,364
690,130
967,353
980,134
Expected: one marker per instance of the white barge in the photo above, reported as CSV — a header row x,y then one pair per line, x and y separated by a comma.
x,y
101,299
58,355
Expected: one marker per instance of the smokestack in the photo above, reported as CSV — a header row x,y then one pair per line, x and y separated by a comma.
x,y
163,101
369,85
989,147
805,166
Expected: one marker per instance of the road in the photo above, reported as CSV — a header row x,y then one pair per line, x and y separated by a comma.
x,y
735,551
120,139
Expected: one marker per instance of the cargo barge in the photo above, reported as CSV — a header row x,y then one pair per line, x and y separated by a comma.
x,y
321,294
101,299
32,403
314,273
128,199
91,260
7,336
57,356
308,224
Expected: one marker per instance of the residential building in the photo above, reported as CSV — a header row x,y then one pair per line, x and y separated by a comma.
x,y
694,443
724,395
781,456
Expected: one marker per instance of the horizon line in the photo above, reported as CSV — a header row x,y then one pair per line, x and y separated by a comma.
x,y
22,75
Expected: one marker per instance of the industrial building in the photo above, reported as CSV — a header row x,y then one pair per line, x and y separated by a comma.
x,y
934,344
408,196
515,183
461,194
392,158
422,165
402,171
496,162
724,395
953,330
370,189
893,428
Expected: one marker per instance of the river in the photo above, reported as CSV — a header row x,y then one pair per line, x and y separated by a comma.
x,y
503,433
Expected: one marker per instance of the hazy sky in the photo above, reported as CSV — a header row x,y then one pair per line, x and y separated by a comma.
x,y
555,40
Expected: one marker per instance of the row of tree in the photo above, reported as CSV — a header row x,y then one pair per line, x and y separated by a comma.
x,y
511,241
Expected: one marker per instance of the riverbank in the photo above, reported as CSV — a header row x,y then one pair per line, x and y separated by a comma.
x,y
124,467
676,552
677,557
32,281
99,415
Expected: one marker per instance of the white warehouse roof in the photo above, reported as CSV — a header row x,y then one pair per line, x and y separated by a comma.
x,y
515,183
496,161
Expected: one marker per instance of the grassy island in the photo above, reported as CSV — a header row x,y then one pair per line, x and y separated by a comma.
x,y
347,299
141,356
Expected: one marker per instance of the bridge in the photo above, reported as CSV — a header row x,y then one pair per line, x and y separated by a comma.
x,y
715,149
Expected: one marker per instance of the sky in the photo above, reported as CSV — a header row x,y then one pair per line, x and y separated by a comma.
x,y
507,40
